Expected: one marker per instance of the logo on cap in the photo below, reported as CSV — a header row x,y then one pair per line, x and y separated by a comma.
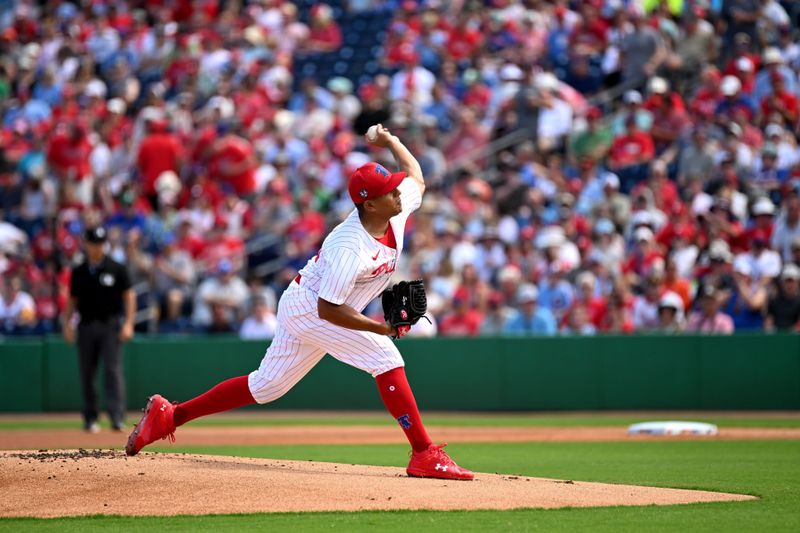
x,y
363,193
382,171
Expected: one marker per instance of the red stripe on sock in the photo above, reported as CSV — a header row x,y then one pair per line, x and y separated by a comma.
x,y
399,401
224,396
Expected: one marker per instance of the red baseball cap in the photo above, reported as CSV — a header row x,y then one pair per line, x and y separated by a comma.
x,y
372,180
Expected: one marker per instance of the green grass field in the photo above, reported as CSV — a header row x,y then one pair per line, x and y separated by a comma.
x,y
767,469
468,420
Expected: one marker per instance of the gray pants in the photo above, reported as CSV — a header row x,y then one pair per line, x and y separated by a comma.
x,y
96,340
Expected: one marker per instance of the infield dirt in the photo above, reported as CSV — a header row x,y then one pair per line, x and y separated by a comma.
x,y
84,482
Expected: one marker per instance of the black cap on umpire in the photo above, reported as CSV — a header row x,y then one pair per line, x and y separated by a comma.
x,y
96,235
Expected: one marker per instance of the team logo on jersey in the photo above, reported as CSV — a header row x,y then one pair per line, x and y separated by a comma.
x,y
404,421
386,268
106,280
403,314
363,193
382,171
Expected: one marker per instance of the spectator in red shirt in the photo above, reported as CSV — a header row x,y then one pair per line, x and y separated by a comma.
x,y
188,240
475,290
633,148
159,152
588,38
630,153
586,300
745,71
233,160
644,254
665,192
68,156
477,94
669,123
659,91
325,35
618,314
781,106
462,321
464,40
221,245
743,50
309,224
705,100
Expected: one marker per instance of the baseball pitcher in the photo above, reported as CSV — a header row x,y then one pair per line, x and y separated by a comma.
x,y
321,312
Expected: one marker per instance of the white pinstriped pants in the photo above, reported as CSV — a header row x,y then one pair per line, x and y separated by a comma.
x,y
302,339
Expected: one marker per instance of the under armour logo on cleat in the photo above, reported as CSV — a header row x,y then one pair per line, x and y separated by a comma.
x,y
164,407
441,467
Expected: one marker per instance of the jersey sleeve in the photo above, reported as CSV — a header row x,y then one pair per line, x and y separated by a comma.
x,y
340,271
410,196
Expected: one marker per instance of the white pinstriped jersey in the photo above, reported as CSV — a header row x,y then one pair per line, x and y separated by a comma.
x,y
352,267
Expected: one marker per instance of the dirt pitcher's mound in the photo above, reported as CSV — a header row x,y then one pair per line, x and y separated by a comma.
x,y
68,482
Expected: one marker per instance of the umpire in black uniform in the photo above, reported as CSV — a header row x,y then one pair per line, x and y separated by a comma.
x,y
101,292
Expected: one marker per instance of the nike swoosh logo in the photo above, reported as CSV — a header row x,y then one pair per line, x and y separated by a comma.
x,y
376,255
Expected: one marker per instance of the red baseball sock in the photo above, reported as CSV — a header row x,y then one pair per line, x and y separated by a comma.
x,y
227,395
399,401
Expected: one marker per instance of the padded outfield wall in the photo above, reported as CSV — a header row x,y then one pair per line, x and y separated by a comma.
x,y
480,374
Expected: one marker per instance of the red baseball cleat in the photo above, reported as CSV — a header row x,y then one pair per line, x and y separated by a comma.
x,y
434,462
156,423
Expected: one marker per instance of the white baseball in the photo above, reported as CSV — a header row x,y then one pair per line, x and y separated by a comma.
x,y
372,133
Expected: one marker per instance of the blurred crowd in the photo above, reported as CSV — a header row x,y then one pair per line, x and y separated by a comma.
x,y
597,166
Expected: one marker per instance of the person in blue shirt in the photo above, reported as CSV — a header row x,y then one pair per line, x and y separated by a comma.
x,y
531,319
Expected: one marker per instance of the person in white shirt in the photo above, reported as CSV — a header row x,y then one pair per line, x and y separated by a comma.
x,y
262,322
413,83
765,264
226,290
555,115
17,308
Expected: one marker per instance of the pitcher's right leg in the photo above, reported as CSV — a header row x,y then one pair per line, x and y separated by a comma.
x,y
287,360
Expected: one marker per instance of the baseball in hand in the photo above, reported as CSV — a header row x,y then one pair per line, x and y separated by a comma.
x,y
372,133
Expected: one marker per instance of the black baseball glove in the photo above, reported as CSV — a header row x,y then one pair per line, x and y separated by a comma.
x,y
404,304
